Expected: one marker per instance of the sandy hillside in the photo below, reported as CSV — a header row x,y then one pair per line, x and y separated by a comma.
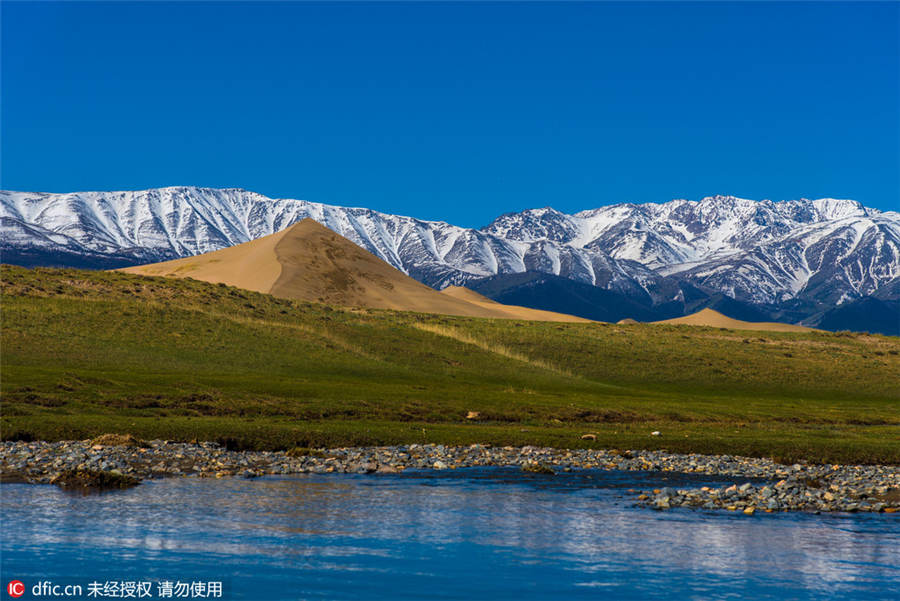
x,y
708,317
253,265
307,261
467,294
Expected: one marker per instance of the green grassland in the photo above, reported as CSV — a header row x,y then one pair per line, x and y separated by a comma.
x,y
84,353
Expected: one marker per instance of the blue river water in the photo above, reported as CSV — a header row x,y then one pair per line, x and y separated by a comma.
x,y
455,534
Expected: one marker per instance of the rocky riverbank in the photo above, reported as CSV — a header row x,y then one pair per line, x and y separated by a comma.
x,y
795,487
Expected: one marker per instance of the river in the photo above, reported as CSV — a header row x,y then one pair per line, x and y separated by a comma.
x,y
477,533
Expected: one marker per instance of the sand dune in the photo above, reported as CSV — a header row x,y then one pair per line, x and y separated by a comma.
x,y
467,294
708,317
307,261
252,266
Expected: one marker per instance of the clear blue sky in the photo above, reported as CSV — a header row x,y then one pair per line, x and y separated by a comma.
x,y
456,111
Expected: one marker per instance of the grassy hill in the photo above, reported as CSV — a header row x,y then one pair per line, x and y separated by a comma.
x,y
85,353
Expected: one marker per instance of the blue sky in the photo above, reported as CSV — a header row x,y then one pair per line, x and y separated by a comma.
x,y
456,111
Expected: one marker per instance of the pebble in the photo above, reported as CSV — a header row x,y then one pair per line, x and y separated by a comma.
x,y
804,487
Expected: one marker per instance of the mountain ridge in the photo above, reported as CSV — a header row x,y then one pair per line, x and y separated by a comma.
x,y
812,254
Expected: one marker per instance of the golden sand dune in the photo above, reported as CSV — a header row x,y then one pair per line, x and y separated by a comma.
x,y
714,319
467,294
307,261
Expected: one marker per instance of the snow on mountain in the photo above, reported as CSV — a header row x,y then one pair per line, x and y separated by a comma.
x,y
827,250
160,224
676,232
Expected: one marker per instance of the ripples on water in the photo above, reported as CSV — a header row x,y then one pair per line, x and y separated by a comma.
x,y
456,534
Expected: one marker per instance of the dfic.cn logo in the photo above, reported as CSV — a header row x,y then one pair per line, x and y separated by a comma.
x,y
15,588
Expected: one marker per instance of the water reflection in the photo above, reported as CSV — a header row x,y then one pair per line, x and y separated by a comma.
x,y
455,534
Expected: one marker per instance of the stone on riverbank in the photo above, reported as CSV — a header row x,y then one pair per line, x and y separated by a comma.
x,y
537,468
119,440
757,482
93,480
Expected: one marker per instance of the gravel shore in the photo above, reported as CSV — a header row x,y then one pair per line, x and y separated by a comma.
x,y
789,487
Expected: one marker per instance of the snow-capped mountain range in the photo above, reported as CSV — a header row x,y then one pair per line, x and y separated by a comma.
x,y
824,251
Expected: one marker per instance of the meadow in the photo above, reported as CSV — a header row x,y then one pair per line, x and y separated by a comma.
x,y
86,353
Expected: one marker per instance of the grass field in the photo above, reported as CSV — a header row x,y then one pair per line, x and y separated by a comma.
x,y
85,353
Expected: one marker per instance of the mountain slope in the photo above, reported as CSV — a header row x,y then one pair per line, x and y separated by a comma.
x,y
307,261
555,293
864,315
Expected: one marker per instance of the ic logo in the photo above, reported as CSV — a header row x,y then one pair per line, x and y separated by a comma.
x,y
15,588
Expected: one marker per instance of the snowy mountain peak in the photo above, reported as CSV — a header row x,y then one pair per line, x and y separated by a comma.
x,y
535,224
835,208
